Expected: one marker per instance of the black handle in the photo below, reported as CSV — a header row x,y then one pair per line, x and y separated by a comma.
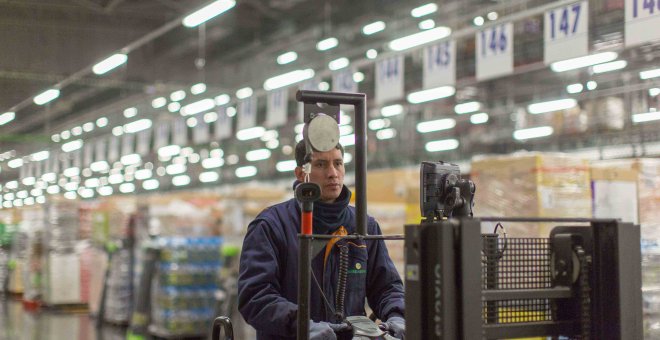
x,y
225,322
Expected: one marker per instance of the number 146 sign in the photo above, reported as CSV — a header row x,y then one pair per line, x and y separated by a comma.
x,y
494,51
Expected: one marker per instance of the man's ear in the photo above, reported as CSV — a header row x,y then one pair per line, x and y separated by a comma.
x,y
300,175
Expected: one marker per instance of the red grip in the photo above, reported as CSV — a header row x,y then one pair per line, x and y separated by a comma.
x,y
306,228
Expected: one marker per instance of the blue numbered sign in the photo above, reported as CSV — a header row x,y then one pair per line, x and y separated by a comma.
x,y
276,112
342,81
247,113
566,32
222,125
642,21
440,64
389,79
494,51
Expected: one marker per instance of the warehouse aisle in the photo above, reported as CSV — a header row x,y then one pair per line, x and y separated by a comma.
x,y
18,324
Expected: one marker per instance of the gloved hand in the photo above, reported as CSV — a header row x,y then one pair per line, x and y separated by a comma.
x,y
325,331
396,326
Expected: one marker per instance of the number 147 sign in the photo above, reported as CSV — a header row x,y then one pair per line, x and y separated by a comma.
x,y
566,32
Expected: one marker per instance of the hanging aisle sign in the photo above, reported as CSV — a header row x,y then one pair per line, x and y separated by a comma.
x,y
201,130
222,128
276,112
310,85
77,159
88,153
55,165
113,149
161,134
440,64
143,141
389,79
179,132
494,51
247,113
642,21
342,81
566,32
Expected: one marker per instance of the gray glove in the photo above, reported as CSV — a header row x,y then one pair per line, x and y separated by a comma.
x,y
325,331
396,326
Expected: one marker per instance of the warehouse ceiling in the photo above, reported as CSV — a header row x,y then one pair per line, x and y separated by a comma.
x,y
56,42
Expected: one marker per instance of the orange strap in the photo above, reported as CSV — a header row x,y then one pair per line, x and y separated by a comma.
x,y
341,231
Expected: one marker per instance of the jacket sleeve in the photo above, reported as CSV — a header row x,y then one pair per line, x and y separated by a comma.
x,y
259,291
384,285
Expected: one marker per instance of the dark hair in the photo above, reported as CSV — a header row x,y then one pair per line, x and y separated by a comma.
x,y
301,152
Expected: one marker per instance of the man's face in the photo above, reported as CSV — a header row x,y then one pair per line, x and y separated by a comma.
x,y
327,172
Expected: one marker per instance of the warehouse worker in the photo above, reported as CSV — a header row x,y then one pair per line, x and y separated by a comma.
x,y
268,277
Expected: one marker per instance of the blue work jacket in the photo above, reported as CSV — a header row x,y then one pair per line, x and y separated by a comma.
x,y
268,278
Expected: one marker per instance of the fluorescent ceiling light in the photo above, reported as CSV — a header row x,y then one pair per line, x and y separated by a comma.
x,y
222,99
70,195
269,135
479,118
143,174
441,145
648,74
19,203
130,112
492,16
41,199
299,128
338,64
420,38
36,192
46,96
345,130
467,107
71,172
173,107
654,91
245,92
208,12
99,166
284,166
40,156
590,60
197,107
282,80
49,177
7,117
29,181
377,124
10,196
150,184
102,122
169,151
117,131
324,86
436,125
115,179
426,24
250,133
574,88
66,134
391,110
591,85
478,21
158,102
327,44
87,127
11,185
105,191
178,95
257,155
29,201
175,169
347,140
645,117
372,53
131,159
55,138
541,131
53,189
15,163
611,66
77,131
92,182
424,10
198,88
216,153
211,163
287,57
137,125
553,105
127,188
246,171
386,134
209,176
373,27
72,145
191,122
180,180
431,94
109,63
358,77
22,194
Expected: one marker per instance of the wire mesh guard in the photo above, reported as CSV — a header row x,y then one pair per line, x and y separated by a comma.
x,y
515,263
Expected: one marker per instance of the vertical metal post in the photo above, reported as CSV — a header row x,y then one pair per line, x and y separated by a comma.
x,y
361,165
304,267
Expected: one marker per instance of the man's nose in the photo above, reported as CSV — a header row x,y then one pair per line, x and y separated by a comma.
x,y
332,172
